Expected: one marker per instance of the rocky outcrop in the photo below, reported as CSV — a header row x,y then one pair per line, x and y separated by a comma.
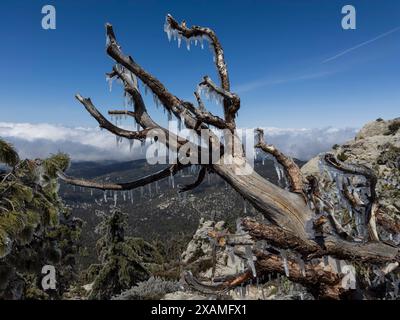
x,y
377,146
210,260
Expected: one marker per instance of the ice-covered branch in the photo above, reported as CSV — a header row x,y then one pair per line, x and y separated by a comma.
x,y
230,101
170,102
321,282
209,86
291,168
204,116
372,252
164,173
196,33
140,112
173,28
104,123
372,206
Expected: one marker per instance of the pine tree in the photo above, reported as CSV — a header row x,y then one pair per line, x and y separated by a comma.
x,y
35,227
124,261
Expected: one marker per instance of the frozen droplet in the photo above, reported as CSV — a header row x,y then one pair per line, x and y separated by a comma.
x,y
115,198
179,40
285,262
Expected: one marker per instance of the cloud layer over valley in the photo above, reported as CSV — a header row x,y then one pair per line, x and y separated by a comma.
x,y
93,144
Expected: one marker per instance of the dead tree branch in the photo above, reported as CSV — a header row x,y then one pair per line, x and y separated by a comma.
x,y
291,168
164,173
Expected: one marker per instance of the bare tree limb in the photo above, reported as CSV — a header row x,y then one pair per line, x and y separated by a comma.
x,y
230,109
291,168
122,113
168,100
104,123
196,31
371,252
164,173
225,285
205,116
362,170
388,223
322,283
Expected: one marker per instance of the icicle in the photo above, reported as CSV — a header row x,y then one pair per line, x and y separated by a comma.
x,y
149,187
250,260
110,82
130,144
91,192
277,169
179,40
188,44
300,261
117,140
179,124
168,30
105,196
201,42
115,198
172,180
124,195
285,262
244,206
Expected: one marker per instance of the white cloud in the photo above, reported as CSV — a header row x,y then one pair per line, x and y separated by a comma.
x,y
83,144
92,144
305,143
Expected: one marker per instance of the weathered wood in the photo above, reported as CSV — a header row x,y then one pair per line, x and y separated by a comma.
x,y
322,283
285,209
292,170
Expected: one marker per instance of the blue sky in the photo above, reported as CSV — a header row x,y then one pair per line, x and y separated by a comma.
x,y
275,52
